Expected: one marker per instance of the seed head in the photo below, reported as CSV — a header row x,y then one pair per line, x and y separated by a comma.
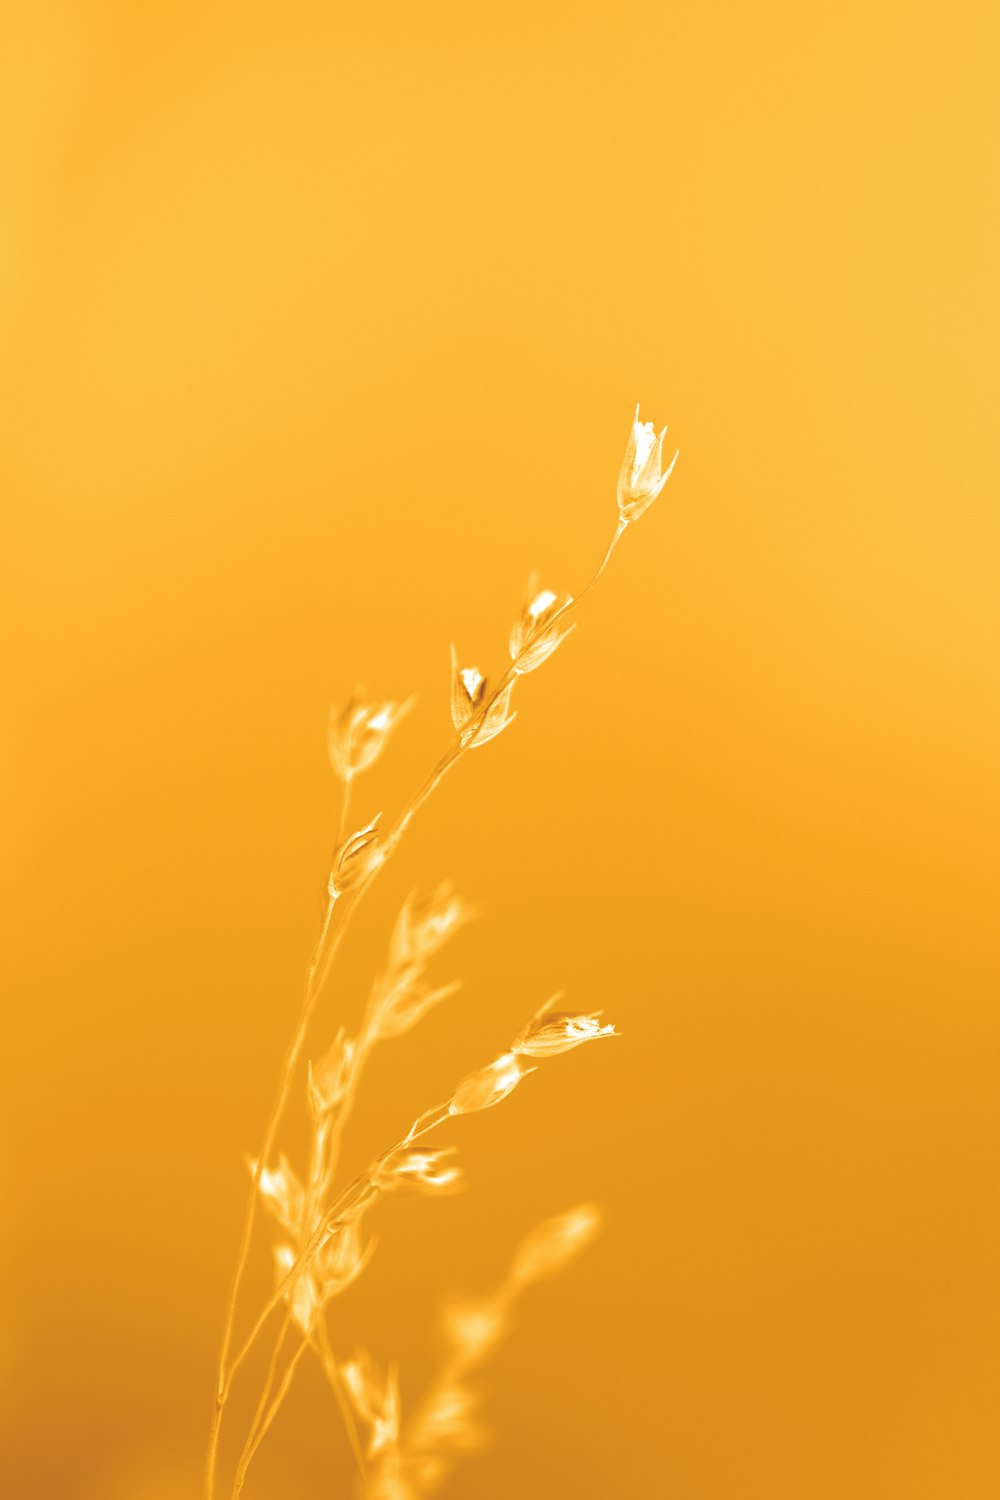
x,y
551,1032
642,478
356,858
411,1170
487,1086
498,716
468,691
468,695
538,629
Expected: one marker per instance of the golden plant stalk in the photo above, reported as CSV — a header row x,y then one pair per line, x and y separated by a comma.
x,y
330,1238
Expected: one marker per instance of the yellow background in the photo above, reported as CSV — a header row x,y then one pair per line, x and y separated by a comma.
x,y
320,329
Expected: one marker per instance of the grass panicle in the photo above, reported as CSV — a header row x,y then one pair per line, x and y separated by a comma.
x,y
322,1239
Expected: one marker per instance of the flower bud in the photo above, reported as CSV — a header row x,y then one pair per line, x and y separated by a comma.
x,y
641,478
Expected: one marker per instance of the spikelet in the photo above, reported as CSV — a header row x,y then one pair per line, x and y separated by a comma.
x,y
498,716
425,923
403,1004
487,1086
410,1170
330,1076
303,1295
537,631
551,1032
283,1195
468,695
341,1260
374,1395
641,478
468,692
401,997
360,731
356,858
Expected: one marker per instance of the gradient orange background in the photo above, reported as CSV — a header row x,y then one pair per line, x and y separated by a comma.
x,y
322,328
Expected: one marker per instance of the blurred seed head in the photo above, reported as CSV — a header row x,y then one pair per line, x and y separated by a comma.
x,y
401,1005
330,1076
343,1257
425,923
412,1170
474,1327
552,1244
446,1420
374,1395
360,731
303,1295
283,1195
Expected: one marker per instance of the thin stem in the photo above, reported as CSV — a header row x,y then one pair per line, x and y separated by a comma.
x,y
249,1447
256,1438
318,968
254,1443
314,981
320,1344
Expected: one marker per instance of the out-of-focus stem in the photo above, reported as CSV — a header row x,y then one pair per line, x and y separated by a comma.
x,y
332,1369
